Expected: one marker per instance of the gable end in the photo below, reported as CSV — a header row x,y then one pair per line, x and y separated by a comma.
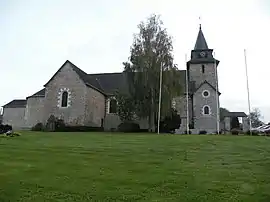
x,y
206,82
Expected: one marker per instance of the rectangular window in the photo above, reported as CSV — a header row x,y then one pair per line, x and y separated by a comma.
x,y
203,69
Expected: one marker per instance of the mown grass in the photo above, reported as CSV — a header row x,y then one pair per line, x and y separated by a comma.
x,y
136,167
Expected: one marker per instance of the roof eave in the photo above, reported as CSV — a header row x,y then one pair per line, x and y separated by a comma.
x,y
35,96
93,87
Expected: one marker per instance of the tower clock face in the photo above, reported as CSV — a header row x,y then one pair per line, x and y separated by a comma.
x,y
202,54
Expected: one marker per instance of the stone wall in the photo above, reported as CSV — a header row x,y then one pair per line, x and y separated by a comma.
x,y
66,79
201,121
181,106
227,121
196,74
14,117
94,108
34,111
245,123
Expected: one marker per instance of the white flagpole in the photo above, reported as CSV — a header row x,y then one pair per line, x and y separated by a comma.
x,y
217,96
159,101
187,94
245,55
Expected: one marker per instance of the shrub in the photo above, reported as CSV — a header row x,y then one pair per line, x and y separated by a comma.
x,y
59,125
55,124
203,132
128,127
50,125
143,131
37,127
234,132
171,122
267,132
253,133
5,128
79,129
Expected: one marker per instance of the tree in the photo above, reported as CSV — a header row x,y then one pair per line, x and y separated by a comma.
x,y
125,107
171,122
223,112
151,51
255,117
235,123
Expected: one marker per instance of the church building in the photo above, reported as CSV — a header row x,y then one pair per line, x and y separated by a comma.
x,y
88,99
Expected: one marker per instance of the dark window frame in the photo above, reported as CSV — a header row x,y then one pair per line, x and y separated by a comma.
x,y
64,100
206,110
112,106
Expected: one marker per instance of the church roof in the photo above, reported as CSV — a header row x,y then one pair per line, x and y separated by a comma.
x,y
15,104
235,114
40,93
106,83
200,42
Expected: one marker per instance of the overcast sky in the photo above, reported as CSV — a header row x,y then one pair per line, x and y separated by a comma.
x,y
37,37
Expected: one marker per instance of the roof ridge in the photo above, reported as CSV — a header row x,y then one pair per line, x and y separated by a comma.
x,y
105,73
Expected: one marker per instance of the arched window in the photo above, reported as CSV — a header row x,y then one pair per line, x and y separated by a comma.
x,y
113,106
203,69
206,110
64,99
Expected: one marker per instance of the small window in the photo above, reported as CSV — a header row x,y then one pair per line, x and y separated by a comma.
x,y
203,69
206,110
206,93
113,106
64,99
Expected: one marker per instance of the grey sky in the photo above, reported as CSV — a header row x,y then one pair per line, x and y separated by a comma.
x,y
37,37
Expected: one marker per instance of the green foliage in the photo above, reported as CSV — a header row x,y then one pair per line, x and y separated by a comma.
x,y
128,127
255,117
54,124
5,128
79,129
253,133
125,107
151,51
222,113
171,122
38,127
235,131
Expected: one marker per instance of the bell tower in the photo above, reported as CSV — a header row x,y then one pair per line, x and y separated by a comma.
x,y
202,65
202,74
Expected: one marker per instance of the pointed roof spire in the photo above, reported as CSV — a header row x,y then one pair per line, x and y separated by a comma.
x,y
200,42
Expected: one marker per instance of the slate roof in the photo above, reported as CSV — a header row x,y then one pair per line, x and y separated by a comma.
x,y
200,42
16,104
106,83
40,93
235,114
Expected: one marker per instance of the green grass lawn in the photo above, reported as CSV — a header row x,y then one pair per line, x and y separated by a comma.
x,y
103,167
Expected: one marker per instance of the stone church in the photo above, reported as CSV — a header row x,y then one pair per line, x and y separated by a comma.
x,y
88,99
